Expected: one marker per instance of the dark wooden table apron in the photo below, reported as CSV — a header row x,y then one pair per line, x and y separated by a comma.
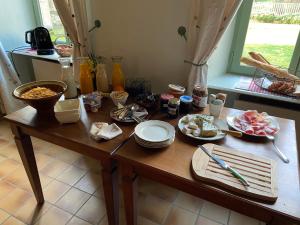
x,y
172,166
26,123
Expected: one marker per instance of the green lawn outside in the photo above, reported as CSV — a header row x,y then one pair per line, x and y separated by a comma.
x,y
279,55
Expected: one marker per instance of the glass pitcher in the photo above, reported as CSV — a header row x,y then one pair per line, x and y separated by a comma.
x,y
118,81
85,77
67,76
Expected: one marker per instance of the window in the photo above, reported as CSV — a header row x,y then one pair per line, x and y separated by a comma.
x,y
270,27
47,16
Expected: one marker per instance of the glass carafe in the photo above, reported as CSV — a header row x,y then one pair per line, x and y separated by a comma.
x,y
85,78
101,76
67,76
118,80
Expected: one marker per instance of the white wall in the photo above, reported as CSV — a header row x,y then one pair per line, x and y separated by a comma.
x,y
145,33
16,17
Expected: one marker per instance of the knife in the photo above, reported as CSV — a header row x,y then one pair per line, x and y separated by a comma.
x,y
225,166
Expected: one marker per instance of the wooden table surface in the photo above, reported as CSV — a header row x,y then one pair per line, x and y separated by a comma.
x,y
26,122
172,166
73,133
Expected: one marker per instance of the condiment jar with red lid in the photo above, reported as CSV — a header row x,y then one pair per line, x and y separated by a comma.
x,y
164,100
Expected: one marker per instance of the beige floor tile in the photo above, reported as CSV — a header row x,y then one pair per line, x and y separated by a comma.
x,y
93,210
67,156
215,212
144,221
8,166
20,179
16,156
55,190
189,202
100,192
3,141
39,145
8,149
14,200
42,160
237,219
71,175
73,200
30,212
89,182
2,158
5,189
88,163
179,216
3,216
13,221
55,168
159,190
205,221
54,216
153,208
77,221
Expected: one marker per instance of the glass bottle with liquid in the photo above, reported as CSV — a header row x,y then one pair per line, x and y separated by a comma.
x,y
101,76
67,76
85,78
118,80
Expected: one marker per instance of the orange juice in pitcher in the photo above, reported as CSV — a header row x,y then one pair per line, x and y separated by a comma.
x,y
86,80
118,80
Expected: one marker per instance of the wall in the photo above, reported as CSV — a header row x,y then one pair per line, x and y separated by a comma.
x,y
145,33
16,17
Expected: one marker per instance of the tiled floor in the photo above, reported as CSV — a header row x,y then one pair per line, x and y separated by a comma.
x,y
73,192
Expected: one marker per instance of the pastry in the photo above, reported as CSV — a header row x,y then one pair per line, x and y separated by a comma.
x,y
282,87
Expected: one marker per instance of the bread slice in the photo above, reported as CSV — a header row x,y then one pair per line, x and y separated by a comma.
x,y
208,129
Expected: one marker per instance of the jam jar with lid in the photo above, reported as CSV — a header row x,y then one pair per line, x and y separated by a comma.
x,y
173,107
164,100
200,95
186,104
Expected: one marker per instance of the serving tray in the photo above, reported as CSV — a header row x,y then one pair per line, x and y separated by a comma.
x,y
259,172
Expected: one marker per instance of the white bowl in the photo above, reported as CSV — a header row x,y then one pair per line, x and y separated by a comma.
x,y
67,111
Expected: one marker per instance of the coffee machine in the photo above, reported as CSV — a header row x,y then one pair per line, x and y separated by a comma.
x,y
39,39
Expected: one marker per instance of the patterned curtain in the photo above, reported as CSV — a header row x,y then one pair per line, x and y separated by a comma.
x,y
73,16
208,21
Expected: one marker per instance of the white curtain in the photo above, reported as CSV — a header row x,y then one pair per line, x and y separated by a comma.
x,y
73,16
9,80
208,21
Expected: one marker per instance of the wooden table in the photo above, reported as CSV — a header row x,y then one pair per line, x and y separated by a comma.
x,y
172,166
26,123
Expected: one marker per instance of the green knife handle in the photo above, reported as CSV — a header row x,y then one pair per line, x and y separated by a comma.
x,y
239,176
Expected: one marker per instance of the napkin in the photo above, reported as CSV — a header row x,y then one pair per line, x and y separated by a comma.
x,y
105,131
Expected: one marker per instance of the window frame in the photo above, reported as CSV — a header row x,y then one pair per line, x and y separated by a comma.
x,y
238,42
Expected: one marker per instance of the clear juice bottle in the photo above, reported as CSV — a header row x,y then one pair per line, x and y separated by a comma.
x,y
86,80
118,80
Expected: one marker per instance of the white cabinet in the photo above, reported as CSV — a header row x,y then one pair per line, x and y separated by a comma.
x,y
46,70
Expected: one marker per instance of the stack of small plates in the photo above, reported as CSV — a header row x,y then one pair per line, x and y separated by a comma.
x,y
154,134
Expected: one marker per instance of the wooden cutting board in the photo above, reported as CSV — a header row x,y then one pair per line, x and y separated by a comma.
x,y
259,172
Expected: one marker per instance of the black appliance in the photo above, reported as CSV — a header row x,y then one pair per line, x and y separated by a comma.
x,y
39,39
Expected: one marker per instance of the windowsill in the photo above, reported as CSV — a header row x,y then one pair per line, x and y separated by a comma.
x,y
33,53
227,82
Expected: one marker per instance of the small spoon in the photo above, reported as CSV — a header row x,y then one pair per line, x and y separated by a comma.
x,y
279,153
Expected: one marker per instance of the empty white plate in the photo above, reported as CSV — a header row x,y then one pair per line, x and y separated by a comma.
x,y
154,131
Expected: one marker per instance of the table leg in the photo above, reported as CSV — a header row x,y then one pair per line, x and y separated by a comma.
x,y
25,149
129,186
111,190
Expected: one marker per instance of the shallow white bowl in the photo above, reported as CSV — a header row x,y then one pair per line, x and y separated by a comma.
x,y
67,111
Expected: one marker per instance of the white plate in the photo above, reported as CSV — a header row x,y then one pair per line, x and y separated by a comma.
x,y
154,131
154,144
220,134
231,119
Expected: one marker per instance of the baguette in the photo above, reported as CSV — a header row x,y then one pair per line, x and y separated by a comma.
x,y
258,57
280,73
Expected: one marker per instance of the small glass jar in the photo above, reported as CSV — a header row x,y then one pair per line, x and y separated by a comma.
x,y
200,95
186,105
173,107
164,100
